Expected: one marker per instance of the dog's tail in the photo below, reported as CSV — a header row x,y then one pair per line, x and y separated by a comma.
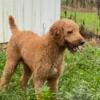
x,y
12,25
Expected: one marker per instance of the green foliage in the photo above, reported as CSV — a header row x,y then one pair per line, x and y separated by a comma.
x,y
2,60
90,18
82,72
80,80
45,94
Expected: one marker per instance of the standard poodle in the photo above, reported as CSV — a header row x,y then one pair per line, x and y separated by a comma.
x,y
42,56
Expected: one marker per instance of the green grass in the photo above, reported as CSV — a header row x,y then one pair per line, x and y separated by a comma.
x,y
80,80
91,19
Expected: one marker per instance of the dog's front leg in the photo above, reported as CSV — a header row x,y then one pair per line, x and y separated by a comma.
x,y
37,85
53,84
40,75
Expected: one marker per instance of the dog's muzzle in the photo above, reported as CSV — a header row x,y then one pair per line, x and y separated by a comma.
x,y
73,47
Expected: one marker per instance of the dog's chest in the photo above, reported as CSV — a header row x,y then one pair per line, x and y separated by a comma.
x,y
56,66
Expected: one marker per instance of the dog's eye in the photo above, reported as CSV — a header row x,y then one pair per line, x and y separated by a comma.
x,y
70,32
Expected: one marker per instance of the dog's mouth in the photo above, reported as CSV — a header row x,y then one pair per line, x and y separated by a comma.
x,y
73,47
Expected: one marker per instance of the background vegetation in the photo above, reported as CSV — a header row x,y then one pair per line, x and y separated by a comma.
x,y
87,11
90,19
81,78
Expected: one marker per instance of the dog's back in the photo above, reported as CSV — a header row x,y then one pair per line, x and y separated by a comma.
x,y
21,37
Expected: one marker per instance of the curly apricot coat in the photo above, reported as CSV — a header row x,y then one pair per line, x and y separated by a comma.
x,y
42,56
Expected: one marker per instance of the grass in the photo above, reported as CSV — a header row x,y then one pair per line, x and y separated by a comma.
x,y
80,80
91,19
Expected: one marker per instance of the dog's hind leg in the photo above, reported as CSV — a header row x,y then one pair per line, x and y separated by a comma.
x,y
26,76
7,73
10,66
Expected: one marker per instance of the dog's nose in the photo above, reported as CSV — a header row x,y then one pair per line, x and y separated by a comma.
x,y
82,42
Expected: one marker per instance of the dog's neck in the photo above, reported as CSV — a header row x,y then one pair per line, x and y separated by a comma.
x,y
53,44
55,53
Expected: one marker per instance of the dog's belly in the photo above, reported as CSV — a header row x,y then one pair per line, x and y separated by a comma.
x,y
27,57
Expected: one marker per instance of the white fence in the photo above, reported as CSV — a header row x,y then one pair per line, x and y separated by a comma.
x,y
35,15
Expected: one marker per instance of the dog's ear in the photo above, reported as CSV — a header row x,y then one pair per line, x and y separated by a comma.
x,y
57,30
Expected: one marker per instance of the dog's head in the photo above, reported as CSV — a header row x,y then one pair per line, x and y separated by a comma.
x,y
66,33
